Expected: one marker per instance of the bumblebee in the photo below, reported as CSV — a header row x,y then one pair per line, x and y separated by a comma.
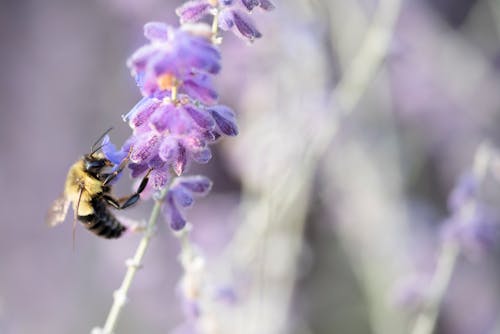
x,y
88,188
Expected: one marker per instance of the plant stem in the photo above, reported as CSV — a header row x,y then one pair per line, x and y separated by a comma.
x,y
426,320
215,24
120,295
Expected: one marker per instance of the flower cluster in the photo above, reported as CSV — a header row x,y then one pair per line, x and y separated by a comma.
x,y
178,117
174,123
232,15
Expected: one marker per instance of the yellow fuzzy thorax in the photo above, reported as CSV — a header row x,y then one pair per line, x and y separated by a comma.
x,y
77,179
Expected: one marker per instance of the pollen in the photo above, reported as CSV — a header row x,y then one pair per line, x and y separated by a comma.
x,y
167,81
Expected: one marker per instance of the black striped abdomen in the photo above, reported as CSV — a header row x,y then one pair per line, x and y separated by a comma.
x,y
102,222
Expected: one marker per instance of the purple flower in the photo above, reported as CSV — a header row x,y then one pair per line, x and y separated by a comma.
x,y
266,5
193,11
111,153
411,291
463,192
168,134
476,231
181,194
471,224
226,294
231,15
251,4
240,23
172,57
225,119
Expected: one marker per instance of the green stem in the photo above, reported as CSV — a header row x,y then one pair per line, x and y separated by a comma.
x,y
120,295
215,24
426,320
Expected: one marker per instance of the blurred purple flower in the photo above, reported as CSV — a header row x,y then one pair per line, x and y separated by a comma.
x,y
191,308
226,294
232,17
242,25
193,11
464,191
472,225
476,232
411,291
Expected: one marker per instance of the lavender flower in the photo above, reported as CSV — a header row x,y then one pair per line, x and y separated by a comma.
x,y
231,14
193,11
178,117
168,134
471,224
465,191
476,232
181,194
173,124
175,58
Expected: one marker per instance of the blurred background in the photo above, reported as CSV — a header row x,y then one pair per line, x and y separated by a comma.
x,y
357,118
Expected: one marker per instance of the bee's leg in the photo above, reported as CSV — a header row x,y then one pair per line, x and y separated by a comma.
x,y
111,201
128,200
111,176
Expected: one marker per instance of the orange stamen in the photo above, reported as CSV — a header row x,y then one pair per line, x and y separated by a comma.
x,y
166,81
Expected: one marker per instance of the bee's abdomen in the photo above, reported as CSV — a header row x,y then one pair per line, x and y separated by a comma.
x,y
102,222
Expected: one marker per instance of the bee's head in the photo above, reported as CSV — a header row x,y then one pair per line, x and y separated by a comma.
x,y
95,162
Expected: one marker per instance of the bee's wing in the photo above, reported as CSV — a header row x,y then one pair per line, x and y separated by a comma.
x,y
58,210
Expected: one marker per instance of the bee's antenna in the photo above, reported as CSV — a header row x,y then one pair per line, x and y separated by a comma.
x,y
93,149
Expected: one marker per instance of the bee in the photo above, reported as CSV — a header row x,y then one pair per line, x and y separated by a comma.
x,y
88,188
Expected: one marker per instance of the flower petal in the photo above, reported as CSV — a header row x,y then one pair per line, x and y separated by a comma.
x,y
162,118
139,59
245,26
180,162
464,191
266,5
224,117
226,20
172,213
202,156
111,153
140,114
192,11
250,4
168,149
156,162
197,184
210,136
159,178
145,148
156,31
137,169
200,89
182,196
201,117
